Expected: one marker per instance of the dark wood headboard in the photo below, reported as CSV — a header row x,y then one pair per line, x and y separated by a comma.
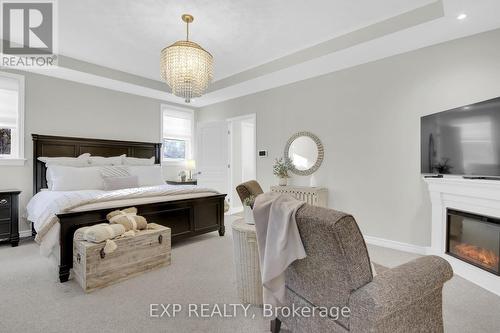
x,y
59,146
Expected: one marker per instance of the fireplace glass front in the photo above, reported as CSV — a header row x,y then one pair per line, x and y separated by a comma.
x,y
474,239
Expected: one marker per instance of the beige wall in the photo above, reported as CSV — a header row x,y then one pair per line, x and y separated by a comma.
x,y
60,107
368,118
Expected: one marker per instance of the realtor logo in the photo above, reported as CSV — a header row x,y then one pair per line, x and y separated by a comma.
x,y
28,31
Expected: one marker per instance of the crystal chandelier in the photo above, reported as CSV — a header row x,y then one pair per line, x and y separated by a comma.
x,y
186,67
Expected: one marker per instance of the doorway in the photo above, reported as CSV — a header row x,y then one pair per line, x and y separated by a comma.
x,y
242,156
227,156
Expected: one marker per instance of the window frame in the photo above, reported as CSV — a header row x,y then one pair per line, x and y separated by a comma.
x,y
20,158
164,109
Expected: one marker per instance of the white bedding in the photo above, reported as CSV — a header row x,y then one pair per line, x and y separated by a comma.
x,y
44,206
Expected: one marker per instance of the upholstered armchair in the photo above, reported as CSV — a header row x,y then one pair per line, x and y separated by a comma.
x,y
337,273
248,189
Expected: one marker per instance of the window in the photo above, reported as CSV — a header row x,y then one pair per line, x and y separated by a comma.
x,y
11,119
177,134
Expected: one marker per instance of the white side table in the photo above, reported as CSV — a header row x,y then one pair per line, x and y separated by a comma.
x,y
246,263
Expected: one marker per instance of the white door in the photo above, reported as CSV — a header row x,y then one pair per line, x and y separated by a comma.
x,y
248,151
242,156
212,153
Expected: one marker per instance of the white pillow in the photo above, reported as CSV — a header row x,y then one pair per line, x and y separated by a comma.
x,y
80,161
139,161
148,175
99,160
118,183
67,178
48,177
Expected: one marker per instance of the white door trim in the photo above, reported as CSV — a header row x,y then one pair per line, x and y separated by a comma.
x,y
245,116
230,160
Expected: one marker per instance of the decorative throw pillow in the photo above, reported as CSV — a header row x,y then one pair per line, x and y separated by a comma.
x,y
114,171
139,161
99,160
117,178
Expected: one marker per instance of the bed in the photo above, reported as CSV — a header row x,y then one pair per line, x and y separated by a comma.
x,y
186,215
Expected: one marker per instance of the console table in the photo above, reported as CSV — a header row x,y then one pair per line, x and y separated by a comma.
x,y
316,196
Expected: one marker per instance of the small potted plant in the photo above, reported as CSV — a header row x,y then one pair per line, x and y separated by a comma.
x,y
247,209
280,169
443,167
182,176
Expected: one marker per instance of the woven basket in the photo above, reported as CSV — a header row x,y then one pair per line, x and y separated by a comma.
x,y
246,263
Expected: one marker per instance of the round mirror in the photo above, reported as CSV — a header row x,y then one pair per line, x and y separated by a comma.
x,y
305,152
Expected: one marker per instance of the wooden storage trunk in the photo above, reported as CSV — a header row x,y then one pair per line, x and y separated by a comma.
x,y
147,250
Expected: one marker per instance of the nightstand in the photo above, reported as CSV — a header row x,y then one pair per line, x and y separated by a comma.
x,y
9,219
187,182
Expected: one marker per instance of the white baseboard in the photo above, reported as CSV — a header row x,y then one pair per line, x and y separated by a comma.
x,y
405,247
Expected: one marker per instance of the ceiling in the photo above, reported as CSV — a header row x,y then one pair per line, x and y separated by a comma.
x,y
257,44
128,34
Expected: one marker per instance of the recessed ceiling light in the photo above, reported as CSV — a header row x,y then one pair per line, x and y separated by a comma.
x,y
462,16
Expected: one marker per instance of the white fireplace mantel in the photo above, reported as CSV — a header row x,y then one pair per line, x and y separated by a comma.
x,y
469,195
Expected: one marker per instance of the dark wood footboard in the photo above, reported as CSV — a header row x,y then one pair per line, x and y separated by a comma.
x,y
186,218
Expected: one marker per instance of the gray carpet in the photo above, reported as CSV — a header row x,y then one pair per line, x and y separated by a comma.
x,y
201,272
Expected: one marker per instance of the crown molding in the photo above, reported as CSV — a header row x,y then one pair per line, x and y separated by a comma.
x,y
422,27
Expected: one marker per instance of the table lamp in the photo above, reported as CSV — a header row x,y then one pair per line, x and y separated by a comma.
x,y
190,166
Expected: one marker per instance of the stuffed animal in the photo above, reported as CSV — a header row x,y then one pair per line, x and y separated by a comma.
x,y
128,218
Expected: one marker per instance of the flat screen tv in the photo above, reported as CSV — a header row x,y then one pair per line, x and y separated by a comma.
x,y
462,141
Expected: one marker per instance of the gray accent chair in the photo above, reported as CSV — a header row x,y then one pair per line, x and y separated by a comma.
x,y
337,273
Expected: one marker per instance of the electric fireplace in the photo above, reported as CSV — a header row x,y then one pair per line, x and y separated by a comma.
x,y
474,239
